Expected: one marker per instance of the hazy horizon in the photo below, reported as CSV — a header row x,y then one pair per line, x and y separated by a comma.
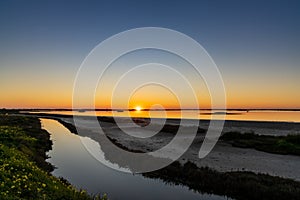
x,y
62,108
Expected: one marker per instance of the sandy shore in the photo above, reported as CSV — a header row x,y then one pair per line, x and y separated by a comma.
x,y
223,158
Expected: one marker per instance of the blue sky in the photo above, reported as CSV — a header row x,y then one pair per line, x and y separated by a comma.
x,y
254,43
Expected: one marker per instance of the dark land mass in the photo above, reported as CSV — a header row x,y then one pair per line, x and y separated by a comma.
x,y
238,185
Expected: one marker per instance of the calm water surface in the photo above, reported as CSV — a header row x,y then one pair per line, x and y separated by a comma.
x,y
75,164
276,116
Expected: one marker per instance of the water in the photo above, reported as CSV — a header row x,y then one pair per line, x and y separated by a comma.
x,y
276,116
76,165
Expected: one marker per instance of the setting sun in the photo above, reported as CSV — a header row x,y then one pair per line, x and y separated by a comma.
x,y
138,108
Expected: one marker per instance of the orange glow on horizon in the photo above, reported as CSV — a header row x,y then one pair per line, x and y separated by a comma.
x,y
31,94
60,101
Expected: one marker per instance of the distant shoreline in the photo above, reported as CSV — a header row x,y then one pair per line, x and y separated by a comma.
x,y
168,119
132,109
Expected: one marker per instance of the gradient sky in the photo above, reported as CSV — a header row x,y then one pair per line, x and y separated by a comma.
x,y
255,44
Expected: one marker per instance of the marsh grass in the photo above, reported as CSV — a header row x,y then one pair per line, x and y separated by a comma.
x,y
289,144
238,185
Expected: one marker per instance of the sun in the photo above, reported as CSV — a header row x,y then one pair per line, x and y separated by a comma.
x,y
138,108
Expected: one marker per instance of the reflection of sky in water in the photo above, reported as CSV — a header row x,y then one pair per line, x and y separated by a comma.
x,y
75,164
285,116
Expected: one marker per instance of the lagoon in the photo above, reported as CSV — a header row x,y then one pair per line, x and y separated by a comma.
x,y
235,115
74,163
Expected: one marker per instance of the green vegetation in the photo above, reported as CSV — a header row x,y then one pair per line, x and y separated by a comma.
x,y
238,185
272,144
24,173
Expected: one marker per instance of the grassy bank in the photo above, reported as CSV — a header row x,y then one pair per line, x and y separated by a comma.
x,y
238,185
272,144
24,174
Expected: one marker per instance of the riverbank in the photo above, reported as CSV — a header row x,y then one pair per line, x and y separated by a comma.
x,y
223,158
24,173
239,183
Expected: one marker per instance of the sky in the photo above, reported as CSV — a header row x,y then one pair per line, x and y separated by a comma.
x,y
255,45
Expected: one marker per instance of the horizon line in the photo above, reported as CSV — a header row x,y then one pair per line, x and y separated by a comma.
x,y
148,109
